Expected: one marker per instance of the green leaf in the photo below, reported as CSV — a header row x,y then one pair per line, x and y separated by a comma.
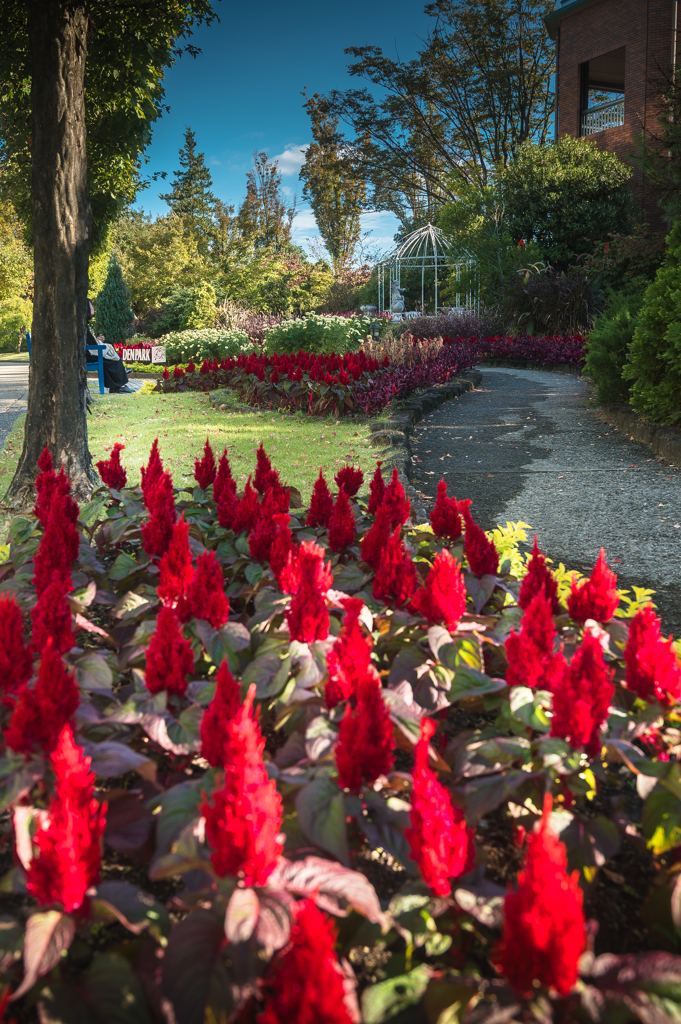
x,y
253,573
321,814
484,794
269,672
383,1001
93,673
11,941
124,565
114,991
661,820
526,705
469,682
48,934
179,805
135,909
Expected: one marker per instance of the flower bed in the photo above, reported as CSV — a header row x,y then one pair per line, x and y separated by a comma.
x,y
559,348
317,745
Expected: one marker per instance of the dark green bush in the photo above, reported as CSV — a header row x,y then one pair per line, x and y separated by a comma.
x,y
609,342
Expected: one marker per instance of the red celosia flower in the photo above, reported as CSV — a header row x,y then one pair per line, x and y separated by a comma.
x,y
539,580
263,468
581,698
307,615
395,582
175,568
227,504
247,511
217,716
531,659
262,536
349,479
283,552
280,496
653,669
204,468
51,616
169,656
374,542
321,503
445,518
151,473
205,596
69,845
223,478
16,664
396,502
481,553
59,543
47,484
157,531
111,471
349,660
305,982
341,523
595,598
377,491
544,934
440,843
365,740
41,713
442,598
244,818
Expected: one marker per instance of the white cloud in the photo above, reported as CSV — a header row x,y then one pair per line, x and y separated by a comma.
x,y
292,159
214,162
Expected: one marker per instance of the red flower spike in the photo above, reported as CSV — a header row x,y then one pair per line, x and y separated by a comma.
x,y
445,518
244,818
69,846
151,473
531,659
281,547
223,478
375,541
205,596
169,656
58,545
219,713
653,669
41,713
263,468
365,740
51,616
341,523
111,471
307,615
443,596
157,531
481,553
440,843
538,580
349,660
305,983
204,468
175,568
16,664
595,598
262,536
395,582
377,491
321,503
544,934
47,484
349,479
396,502
581,698
247,511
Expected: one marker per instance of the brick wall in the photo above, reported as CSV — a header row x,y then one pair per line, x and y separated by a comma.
x,y
644,27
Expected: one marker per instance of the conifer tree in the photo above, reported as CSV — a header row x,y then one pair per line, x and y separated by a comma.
x,y
191,197
114,316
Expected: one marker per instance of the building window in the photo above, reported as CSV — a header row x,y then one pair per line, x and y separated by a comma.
x,y
602,92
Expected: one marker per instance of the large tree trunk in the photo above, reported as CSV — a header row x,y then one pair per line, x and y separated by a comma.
x,y
61,238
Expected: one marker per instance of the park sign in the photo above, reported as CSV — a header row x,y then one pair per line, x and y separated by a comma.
x,y
142,353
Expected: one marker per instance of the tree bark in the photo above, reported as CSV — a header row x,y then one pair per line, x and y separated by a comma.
x,y
62,224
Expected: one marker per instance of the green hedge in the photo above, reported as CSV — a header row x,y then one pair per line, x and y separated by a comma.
x,y
317,333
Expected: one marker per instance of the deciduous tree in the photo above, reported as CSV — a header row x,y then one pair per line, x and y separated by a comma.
x,y
264,218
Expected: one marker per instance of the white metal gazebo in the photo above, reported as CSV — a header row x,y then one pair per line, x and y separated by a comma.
x,y
426,248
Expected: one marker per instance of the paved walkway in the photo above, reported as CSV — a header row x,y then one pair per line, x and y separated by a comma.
x,y
526,445
13,395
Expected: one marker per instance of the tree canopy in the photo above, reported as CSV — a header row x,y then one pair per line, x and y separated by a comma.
x,y
264,219
191,195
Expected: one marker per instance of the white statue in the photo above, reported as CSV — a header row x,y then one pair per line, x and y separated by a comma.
x,y
396,297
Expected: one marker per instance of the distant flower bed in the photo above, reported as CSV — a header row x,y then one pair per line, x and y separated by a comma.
x,y
558,348
319,384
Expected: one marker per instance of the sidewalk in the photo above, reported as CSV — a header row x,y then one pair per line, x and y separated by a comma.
x,y
13,395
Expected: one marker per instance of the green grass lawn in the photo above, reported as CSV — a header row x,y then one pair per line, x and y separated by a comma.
x,y
297,445
13,357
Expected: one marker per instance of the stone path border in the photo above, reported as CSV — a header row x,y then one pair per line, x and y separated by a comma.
x,y
665,441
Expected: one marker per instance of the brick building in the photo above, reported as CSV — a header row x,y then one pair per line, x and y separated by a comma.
x,y
608,54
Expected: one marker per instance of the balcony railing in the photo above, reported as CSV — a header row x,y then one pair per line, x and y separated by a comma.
x,y
605,115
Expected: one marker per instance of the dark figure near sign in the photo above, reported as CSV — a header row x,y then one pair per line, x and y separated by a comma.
x,y
115,375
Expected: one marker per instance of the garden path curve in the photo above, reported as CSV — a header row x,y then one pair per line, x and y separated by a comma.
x,y
529,445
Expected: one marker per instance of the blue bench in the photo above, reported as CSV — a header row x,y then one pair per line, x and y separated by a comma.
x,y
98,366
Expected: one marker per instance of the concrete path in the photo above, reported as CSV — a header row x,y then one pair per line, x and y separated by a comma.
x,y
527,445
13,395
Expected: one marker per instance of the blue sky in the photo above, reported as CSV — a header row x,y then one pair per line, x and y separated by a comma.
x,y
243,91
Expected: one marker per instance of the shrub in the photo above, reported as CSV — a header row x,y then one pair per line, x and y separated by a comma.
x,y
452,324
181,346
624,261
654,365
540,299
558,348
186,308
316,332
16,315
608,345
208,775
114,318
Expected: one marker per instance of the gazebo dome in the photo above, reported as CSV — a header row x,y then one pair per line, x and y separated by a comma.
x,y
428,248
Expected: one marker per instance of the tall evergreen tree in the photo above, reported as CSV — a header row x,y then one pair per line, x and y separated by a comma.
x,y
264,217
112,306
191,197
332,185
